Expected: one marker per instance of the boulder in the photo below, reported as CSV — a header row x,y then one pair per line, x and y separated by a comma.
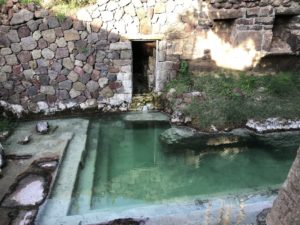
x,y
42,127
23,16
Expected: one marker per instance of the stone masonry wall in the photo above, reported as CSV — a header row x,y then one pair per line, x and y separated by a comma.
x,y
286,208
85,61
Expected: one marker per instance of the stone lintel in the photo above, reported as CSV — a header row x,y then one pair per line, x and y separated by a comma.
x,y
224,14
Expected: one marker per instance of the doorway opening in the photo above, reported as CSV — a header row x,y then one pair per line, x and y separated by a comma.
x,y
143,66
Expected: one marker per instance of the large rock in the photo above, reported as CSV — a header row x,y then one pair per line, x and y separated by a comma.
x,y
177,136
286,208
23,16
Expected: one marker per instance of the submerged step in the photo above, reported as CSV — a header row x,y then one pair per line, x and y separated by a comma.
x,y
84,190
58,204
147,117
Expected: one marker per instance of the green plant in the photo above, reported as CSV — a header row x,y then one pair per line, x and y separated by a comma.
x,y
61,16
7,124
37,2
2,2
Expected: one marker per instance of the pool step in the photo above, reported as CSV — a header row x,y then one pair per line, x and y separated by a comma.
x,y
85,185
58,204
226,211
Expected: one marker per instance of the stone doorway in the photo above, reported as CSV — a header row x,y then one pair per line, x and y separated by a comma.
x,y
143,66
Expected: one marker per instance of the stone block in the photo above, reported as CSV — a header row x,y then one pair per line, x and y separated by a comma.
x,y
49,35
120,62
28,43
11,59
48,90
71,35
22,16
120,46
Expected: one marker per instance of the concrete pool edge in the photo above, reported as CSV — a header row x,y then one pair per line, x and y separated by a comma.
x,y
66,175
234,210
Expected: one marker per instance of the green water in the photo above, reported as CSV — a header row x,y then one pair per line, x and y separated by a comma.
x,y
132,168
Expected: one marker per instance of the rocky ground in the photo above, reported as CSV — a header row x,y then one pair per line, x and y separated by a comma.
x,y
31,168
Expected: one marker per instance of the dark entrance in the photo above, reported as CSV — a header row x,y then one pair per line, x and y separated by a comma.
x,y
144,61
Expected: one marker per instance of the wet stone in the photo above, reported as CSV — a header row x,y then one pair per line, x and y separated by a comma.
x,y
29,192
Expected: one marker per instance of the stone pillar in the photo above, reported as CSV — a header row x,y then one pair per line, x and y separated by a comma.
x,y
286,208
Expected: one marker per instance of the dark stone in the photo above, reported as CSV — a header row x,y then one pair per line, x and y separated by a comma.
x,y
24,31
43,26
39,97
262,216
112,77
33,24
61,53
52,22
17,69
63,95
78,25
84,78
95,75
79,70
51,99
80,44
115,85
67,24
32,91
91,60
44,79
65,85
2,158
80,99
56,66
61,78
59,32
42,43
41,71
24,56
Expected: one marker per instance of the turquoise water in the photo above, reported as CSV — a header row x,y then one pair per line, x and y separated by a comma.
x,y
130,167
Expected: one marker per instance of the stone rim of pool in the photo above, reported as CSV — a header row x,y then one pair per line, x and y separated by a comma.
x,y
190,210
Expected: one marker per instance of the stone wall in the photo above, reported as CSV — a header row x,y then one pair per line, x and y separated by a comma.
x,y
85,61
286,208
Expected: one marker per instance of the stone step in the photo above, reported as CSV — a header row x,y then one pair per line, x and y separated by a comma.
x,y
85,185
57,206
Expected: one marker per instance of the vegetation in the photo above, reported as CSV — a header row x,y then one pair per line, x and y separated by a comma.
x,y
37,2
2,2
6,124
232,99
